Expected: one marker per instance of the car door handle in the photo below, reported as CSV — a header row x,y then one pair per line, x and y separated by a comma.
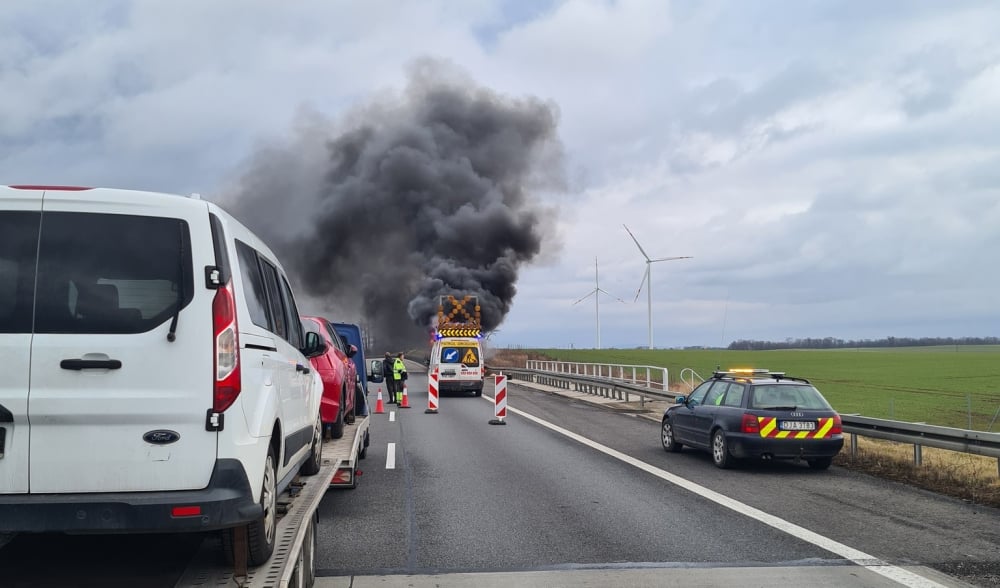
x,y
90,364
301,368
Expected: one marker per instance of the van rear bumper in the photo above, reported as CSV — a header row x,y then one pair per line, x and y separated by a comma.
x,y
227,501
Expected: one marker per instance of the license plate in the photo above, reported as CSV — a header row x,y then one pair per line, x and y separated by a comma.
x,y
798,426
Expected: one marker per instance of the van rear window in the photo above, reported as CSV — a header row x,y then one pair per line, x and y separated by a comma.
x,y
111,273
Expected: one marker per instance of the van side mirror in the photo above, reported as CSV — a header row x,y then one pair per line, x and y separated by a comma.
x,y
352,351
375,371
315,346
680,400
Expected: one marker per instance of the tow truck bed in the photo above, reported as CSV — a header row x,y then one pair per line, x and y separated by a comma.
x,y
295,540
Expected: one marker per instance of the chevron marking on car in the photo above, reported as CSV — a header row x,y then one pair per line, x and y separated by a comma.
x,y
769,428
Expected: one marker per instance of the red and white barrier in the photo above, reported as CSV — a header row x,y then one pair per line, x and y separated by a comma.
x,y
499,399
432,392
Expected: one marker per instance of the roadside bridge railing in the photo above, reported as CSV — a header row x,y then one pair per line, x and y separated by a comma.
x,y
919,435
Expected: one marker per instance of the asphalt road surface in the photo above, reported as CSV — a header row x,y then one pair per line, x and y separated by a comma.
x,y
465,497
572,494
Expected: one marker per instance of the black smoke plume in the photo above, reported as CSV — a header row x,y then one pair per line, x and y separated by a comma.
x,y
430,192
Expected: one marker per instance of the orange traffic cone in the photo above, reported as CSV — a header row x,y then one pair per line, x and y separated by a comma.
x,y
379,407
406,398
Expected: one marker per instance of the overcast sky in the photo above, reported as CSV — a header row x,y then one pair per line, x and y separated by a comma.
x,y
833,168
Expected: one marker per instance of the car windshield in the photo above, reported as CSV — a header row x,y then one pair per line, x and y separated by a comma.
x,y
788,397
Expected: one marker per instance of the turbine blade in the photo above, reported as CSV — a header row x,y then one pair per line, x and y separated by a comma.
x,y
589,294
670,258
611,295
645,276
641,250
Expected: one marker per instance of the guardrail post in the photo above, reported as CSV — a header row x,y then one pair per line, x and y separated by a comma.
x,y
854,444
666,384
918,458
642,400
649,382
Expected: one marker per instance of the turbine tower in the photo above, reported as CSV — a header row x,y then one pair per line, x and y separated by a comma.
x,y
648,281
596,293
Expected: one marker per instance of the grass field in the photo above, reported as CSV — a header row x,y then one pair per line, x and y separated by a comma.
x,y
936,385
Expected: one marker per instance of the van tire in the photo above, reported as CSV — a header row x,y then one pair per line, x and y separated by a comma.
x,y
310,467
259,549
337,428
477,392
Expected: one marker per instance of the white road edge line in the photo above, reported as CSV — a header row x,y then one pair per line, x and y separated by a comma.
x,y
869,562
390,457
392,417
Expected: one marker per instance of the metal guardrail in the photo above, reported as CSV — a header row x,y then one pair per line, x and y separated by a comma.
x,y
597,370
919,435
606,388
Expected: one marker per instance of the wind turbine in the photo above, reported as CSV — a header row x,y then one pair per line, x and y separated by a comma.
x,y
596,293
648,281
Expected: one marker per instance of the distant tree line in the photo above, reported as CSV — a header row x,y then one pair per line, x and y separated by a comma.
x,y
834,343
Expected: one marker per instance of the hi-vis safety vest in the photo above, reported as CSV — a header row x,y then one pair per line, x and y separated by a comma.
x,y
398,367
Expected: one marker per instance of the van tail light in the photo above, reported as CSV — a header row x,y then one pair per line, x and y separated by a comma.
x,y
838,426
227,349
750,424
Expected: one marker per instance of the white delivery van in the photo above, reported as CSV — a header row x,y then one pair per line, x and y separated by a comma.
x,y
459,363
156,377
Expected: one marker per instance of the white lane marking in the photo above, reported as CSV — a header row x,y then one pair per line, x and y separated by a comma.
x,y
390,457
392,416
869,562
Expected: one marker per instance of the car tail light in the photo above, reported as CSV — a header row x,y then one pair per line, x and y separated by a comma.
x,y
750,424
227,349
838,426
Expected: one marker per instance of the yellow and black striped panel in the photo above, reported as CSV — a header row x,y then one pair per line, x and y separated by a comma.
x,y
449,332
769,428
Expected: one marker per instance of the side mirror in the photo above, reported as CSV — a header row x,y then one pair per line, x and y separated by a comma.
x,y
375,371
352,351
315,346
680,400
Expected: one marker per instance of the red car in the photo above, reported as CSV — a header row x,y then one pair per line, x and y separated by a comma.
x,y
339,376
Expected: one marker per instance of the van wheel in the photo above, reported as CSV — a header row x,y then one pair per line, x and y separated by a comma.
x,y
261,533
478,392
310,466
337,428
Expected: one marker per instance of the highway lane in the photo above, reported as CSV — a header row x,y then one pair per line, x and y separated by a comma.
x,y
895,522
468,497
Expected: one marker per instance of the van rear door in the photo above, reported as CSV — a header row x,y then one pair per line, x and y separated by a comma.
x,y
115,406
20,214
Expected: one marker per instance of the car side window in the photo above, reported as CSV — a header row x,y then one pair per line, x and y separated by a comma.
x,y
274,299
734,396
698,395
335,337
295,336
715,394
255,294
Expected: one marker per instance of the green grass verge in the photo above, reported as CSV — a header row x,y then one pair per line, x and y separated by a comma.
x,y
936,385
